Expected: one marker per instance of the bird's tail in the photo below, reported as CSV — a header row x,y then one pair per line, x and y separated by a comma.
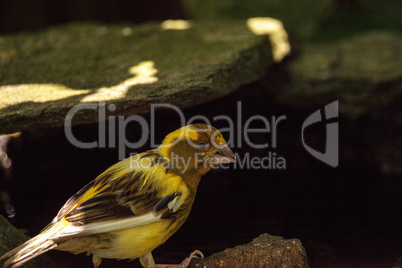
x,y
30,249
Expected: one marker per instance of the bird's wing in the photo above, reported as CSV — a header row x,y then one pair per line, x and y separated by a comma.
x,y
122,197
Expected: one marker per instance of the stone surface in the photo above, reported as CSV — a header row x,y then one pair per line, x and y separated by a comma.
x,y
264,251
363,72
349,17
43,75
326,20
301,20
10,238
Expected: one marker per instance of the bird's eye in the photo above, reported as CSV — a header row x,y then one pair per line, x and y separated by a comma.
x,y
202,145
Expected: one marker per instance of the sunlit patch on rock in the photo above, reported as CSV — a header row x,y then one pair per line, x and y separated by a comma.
x,y
276,32
176,25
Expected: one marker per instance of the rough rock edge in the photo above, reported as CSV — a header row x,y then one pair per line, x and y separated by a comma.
x,y
264,251
363,72
210,81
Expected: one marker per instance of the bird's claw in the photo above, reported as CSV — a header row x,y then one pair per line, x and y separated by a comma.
x,y
196,254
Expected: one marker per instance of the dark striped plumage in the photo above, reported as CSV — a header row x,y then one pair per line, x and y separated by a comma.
x,y
135,205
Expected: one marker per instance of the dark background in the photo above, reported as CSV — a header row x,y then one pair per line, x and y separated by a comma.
x,y
349,216
25,15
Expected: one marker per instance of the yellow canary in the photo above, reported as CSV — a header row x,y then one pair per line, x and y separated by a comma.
x,y
135,205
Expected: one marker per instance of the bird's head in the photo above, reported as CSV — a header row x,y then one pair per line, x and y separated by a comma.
x,y
195,149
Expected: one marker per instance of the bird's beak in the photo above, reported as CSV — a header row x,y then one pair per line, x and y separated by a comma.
x,y
224,154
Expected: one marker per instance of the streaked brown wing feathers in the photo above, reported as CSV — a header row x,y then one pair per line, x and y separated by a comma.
x,y
73,200
102,207
125,197
110,204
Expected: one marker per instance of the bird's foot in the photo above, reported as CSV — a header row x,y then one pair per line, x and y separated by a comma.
x,y
96,261
185,263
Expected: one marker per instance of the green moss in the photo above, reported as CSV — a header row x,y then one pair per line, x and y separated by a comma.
x,y
362,72
300,18
10,238
44,74
91,56
360,17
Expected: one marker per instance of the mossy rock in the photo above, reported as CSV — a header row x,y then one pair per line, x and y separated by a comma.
x,y
302,19
44,74
264,251
363,72
11,237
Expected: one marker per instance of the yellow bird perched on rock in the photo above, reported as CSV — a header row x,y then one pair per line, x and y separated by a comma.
x,y
135,205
